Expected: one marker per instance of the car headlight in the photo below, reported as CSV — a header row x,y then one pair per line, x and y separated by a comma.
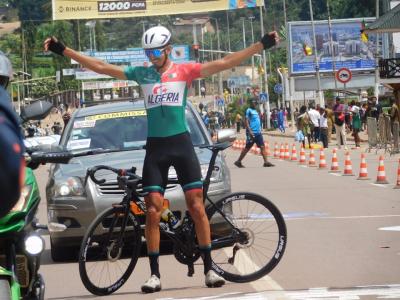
x,y
34,244
70,187
215,175
23,198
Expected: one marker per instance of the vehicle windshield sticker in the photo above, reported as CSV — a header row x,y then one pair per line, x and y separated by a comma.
x,y
78,144
122,114
85,124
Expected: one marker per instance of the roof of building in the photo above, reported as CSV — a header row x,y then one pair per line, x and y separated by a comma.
x,y
389,22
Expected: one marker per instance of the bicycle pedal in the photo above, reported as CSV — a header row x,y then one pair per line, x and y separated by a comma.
x,y
190,270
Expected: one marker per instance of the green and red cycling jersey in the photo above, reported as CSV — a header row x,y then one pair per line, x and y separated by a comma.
x,y
165,96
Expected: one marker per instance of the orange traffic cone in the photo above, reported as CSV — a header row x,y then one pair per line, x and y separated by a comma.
x,y
381,177
363,169
243,144
282,152
254,149
311,162
294,153
335,163
258,151
397,186
267,152
276,150
287,156
235,145
348,167
322,161
302,160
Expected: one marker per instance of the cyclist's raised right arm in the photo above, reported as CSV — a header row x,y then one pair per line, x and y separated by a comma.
x,y
94,64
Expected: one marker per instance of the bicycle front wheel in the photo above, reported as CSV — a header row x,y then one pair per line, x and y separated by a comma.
x,y
251,243
109,254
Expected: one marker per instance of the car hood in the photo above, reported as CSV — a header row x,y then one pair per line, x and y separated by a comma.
x,y
124,159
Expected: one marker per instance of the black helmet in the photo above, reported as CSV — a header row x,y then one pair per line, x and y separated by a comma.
x,y
6,72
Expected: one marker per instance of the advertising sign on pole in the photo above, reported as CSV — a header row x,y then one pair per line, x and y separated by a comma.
x,y
346,48
100,9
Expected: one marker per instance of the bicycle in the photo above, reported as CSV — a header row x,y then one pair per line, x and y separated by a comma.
x,y
114,237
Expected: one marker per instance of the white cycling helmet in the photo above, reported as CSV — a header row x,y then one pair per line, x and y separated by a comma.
x,y
6,72
156,37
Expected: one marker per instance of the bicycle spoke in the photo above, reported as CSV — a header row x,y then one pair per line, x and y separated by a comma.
x,y
249,259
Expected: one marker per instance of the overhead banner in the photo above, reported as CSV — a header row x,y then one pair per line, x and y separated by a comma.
x,y
347,47
100,9
137,57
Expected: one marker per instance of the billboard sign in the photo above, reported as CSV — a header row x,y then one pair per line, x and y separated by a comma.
x,y
137,57
109,9
346,48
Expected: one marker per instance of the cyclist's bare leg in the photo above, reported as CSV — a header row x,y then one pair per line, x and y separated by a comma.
x,y
194,202
154,204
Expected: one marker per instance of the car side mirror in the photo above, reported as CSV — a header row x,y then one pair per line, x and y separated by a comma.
x,y
226,135
36,111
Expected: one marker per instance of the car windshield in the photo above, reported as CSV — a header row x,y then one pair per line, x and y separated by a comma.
x,y
120,130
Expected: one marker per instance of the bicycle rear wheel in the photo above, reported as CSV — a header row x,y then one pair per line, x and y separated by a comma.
x,y
255,243
108,256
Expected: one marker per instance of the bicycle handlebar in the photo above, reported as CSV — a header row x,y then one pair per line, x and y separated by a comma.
x,y
120,172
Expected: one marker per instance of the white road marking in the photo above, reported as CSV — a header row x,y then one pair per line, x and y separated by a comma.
x,y
354,293
393,228
379,185
336,174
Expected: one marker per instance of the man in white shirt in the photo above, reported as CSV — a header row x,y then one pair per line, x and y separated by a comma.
x,y
323,123
314,116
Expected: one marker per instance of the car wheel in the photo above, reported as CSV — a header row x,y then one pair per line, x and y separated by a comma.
x,y
63,253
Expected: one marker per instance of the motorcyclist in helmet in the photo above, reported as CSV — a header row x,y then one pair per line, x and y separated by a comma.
x,y
12,163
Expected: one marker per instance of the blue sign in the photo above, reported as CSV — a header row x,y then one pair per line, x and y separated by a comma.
x,y
220,102
264,97
346,47
278,88
137,57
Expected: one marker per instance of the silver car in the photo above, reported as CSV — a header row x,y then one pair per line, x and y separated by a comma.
x,y
123,127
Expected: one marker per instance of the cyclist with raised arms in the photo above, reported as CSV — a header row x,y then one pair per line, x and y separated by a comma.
x,y
12,163
165,87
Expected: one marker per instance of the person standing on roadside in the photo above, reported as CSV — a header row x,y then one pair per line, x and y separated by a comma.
x,y
356,123
238,121
340,126
314,116
253,135
331,121
323,124
304,124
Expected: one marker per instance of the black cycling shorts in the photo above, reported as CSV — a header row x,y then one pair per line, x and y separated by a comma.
x,y
164,152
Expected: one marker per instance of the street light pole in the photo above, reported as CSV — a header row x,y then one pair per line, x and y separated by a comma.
x,y
251,18
267,109
244,34
229,34
321,100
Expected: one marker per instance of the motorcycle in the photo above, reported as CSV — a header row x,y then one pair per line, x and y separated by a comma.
x,y
20,242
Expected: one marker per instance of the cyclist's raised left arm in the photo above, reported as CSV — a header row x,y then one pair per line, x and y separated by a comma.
x,y
234,59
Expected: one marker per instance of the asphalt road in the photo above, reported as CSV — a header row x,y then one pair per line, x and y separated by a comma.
x,y
343,238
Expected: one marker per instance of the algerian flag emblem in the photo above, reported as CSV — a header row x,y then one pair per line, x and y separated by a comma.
x,y
172,75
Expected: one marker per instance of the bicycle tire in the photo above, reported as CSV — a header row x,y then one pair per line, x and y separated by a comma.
x,y
93,243
266,213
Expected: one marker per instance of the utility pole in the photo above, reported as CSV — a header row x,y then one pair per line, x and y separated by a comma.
x,y
321,100
376,90
251,18
229,34
265,89
331,46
